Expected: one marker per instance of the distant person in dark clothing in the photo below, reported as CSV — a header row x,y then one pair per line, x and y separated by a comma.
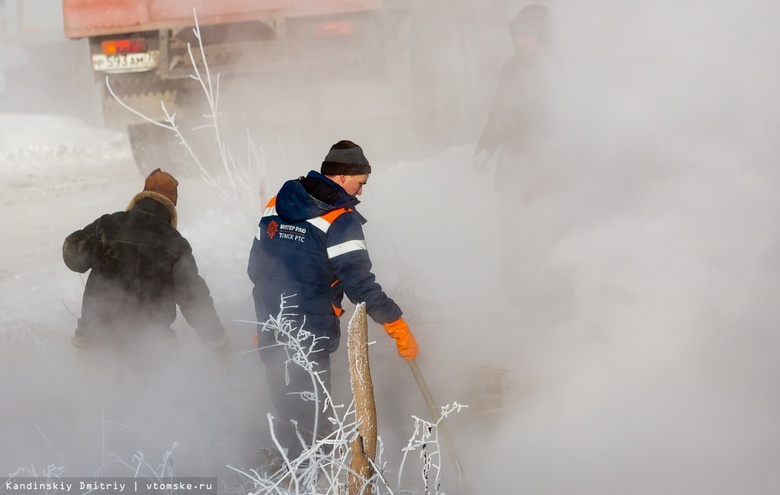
x,y
518,131
518,123
310,245
141,269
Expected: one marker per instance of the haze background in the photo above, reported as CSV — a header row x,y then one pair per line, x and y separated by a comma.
x,y
641,358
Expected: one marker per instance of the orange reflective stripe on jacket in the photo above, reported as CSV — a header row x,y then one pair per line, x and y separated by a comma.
x,y
323,222
331,216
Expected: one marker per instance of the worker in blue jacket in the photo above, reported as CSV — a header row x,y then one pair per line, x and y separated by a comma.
x,y
309,251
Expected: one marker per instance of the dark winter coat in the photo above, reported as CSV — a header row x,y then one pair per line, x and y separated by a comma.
x,y
141,268
310,244
518,123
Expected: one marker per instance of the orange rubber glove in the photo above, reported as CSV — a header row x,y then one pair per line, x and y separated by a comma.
x,y
404,340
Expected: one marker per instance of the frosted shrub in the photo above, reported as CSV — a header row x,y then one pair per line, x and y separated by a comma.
x,y
324,466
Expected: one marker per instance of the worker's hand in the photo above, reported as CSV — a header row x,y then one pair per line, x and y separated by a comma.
x,y
481,157
404,340
225,357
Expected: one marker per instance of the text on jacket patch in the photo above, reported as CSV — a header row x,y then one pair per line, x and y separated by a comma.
x,y
291,237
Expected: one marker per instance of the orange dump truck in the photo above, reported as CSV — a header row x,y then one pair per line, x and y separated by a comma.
x,y
285,63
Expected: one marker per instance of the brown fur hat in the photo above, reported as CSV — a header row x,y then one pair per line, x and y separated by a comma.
x,y
162,183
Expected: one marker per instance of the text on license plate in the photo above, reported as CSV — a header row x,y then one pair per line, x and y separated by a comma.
x,y
126,62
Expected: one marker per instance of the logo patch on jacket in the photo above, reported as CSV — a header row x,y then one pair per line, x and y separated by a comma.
x,y
273,228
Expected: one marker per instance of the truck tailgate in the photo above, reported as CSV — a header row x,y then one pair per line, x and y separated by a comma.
x,y
84,18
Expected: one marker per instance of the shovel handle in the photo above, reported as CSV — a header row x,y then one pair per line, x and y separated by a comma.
x,y
424,390
436,413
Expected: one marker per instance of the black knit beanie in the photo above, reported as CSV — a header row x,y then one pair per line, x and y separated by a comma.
x,y
345,158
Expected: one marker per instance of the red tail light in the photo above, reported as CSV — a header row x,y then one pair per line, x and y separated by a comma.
x,y
132,45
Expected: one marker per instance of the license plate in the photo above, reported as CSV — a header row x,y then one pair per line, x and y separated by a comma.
x,y
126,62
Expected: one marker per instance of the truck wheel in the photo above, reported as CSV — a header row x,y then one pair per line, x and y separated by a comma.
x,y
155,147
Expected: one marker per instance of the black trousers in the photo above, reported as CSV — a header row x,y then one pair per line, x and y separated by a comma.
x,y
292,393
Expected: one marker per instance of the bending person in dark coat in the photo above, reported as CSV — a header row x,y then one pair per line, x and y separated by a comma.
x,y
141,269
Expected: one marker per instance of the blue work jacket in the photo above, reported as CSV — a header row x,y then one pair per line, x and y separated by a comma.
x,y
310,249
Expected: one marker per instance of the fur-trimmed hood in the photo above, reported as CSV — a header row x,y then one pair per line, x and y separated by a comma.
x,y
160,199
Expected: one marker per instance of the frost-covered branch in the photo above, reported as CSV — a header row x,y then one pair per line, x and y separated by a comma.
x,y
324,465
425,438
244,182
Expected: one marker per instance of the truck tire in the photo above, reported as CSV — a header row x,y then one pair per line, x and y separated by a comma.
x,y
154,147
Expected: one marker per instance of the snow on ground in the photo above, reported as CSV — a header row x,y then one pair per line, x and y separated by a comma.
x,y
52,148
